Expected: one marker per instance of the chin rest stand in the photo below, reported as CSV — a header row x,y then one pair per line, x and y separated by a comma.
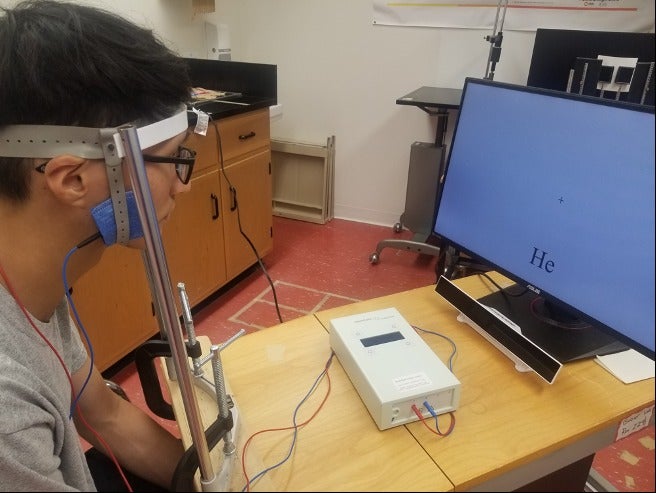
x,y
175,350
222,429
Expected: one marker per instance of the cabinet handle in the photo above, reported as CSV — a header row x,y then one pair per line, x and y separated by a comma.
x,y
247,136
233,194
215,206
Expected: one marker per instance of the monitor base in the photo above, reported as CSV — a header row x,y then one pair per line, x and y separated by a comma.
x,y
564,344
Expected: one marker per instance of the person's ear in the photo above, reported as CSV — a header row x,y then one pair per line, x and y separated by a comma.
x,y
69,179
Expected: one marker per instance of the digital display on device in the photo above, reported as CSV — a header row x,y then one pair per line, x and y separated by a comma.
x,y
381,339
556,191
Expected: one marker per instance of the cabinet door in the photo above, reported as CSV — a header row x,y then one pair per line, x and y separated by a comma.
x,y
193,239
113,302
251,180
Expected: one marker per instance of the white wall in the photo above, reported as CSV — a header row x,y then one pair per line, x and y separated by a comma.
x,y
340,75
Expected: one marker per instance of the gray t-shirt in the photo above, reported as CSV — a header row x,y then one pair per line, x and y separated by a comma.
x,y
39,446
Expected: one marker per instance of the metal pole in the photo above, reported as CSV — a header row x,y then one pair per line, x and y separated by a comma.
x,y
161,291
495,40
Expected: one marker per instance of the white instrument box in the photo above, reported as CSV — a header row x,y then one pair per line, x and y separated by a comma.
x,y
392,368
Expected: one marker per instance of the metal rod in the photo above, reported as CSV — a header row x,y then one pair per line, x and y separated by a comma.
x,y
189,326
161,291
503,17
495,40
186,313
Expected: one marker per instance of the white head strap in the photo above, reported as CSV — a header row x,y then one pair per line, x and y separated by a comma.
x,y
47,141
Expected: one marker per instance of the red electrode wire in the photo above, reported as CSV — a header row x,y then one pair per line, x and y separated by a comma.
x,y
63,365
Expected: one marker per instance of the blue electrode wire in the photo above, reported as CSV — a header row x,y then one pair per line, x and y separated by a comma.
x,y
451,356
453,344
81,327
298,406
434,415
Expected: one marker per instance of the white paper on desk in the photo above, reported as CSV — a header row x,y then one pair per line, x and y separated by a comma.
x,y
629,366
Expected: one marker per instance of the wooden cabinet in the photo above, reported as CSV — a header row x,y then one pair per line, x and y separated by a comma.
x,y
193,236
113,303
193,239
248,185
202,240
246,189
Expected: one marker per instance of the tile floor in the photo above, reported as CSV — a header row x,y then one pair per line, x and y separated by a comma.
x,y
627,465
315,267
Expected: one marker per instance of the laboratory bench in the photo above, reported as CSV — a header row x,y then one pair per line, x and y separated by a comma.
x,y
513,431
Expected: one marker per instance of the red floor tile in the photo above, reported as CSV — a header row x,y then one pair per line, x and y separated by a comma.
x,y
628,465
334,301
303,298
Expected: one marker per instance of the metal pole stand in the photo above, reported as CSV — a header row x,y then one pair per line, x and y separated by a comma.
x,y
495,40
197,456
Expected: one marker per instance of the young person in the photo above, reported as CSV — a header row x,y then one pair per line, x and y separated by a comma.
x,y
70,75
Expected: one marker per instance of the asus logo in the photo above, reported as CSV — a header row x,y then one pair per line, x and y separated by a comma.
x,y
534,289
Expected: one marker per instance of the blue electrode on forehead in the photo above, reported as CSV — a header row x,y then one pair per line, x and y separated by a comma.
x,y
117,217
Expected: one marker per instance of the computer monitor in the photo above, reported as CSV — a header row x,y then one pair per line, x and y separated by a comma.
x,y
556,191
556,63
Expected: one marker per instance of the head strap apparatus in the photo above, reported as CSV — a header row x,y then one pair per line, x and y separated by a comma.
x,y
47,141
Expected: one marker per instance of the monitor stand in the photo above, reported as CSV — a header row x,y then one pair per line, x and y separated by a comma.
x,y
425,173
564,344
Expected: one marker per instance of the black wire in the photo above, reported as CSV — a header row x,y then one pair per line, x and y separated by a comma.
x,y
570,324
504,291
248,240
89,240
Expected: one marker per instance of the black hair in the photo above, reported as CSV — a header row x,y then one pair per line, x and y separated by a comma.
x,y
68,64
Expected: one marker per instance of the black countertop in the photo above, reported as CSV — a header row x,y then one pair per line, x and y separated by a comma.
x,y
255,83
225,107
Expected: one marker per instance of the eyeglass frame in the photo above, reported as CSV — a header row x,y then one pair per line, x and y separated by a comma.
x,y
178,161
149,158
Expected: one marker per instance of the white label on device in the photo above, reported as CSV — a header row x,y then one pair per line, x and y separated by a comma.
x,y
412,382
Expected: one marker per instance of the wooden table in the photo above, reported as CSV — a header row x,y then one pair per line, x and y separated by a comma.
x,y
341,449
511,428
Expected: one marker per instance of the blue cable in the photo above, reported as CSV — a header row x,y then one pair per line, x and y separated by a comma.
x,y
298,406
453,344
82,329
430,409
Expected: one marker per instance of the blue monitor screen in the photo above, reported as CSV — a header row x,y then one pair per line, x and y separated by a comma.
x,y
556,191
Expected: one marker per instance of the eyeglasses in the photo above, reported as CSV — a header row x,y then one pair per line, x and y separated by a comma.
x,y
184,163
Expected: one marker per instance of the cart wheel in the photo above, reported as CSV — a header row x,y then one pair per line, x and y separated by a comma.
x,y
373,258
398,227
